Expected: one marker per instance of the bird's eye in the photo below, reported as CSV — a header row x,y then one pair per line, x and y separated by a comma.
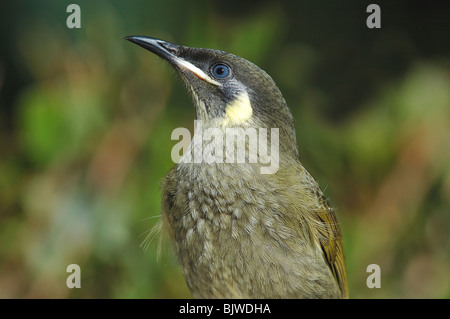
x,y
220,71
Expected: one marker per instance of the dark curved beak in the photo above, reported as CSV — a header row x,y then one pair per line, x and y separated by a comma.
x,y
161,48
171,53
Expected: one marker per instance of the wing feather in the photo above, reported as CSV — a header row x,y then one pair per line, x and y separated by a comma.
x,y
330,240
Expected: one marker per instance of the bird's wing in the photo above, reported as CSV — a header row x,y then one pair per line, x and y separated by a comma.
x,y
330,240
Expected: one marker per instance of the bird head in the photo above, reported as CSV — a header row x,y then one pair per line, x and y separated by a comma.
x,y
228,91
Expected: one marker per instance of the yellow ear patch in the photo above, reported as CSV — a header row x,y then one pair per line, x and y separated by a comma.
x,y
238,111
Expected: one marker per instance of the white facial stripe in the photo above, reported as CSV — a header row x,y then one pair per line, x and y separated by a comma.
x,y
202,75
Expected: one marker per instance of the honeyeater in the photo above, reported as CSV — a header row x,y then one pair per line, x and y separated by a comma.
x,y
239,232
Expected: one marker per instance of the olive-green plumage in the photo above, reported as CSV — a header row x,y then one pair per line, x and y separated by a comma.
x,y
240,233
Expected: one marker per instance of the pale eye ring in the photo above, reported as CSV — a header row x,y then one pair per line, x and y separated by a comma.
x,y
220,71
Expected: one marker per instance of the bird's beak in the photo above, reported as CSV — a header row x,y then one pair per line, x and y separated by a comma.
x,y
163,49
170,52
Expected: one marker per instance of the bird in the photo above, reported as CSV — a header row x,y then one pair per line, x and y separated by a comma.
x,y
239,232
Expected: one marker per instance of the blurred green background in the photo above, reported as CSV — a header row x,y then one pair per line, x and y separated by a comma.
x,y
86,119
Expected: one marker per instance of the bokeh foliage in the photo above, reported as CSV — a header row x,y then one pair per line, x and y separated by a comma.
x,y
86,119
